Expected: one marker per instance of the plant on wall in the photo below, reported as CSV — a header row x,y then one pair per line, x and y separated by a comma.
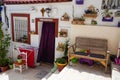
x,y
78,20
91,12
107,15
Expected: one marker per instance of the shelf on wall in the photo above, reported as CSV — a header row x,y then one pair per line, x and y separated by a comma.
x,y
78,22
90,15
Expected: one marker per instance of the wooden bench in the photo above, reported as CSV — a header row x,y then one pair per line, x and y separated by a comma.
x,y
98,50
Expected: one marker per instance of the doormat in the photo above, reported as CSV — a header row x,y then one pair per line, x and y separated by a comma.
x,y
42,74
45,70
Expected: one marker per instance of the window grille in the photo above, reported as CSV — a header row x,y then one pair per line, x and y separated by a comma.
x,y
20,29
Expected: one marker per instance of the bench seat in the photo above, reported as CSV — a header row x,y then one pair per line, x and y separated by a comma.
x,y
94,45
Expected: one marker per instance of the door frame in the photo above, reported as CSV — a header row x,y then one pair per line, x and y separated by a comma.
x,y
47,20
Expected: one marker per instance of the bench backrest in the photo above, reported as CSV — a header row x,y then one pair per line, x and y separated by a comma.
x,y
91,43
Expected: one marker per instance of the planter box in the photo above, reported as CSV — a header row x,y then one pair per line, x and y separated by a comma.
x,y
90,15
107,19
78,22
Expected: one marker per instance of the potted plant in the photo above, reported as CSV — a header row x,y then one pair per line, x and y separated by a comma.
x,y
4,44
10,63
19,59
73,60
78,20
4,64
107,15
61,63
66,44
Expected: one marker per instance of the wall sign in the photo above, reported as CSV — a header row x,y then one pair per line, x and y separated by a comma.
x,y
79,2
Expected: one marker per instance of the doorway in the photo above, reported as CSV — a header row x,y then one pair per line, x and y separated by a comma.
x,y
46,52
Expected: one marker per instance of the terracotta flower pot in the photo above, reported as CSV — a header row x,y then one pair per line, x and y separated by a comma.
x,y
61,66
4,68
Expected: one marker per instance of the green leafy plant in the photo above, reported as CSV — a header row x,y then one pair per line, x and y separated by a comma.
x,y
3,62
10,61
61,63
79,19
4,44
66,48
61,60
73,60
107,13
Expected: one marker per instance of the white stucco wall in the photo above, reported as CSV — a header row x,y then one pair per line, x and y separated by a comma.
x,y
111,33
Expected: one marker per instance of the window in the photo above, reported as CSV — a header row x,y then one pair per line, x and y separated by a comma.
x,y
21,27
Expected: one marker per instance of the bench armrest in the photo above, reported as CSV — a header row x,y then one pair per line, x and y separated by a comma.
x,y
71,46
108,51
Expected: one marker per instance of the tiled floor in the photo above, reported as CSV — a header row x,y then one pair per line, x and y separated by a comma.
x,y
84,72
29,74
